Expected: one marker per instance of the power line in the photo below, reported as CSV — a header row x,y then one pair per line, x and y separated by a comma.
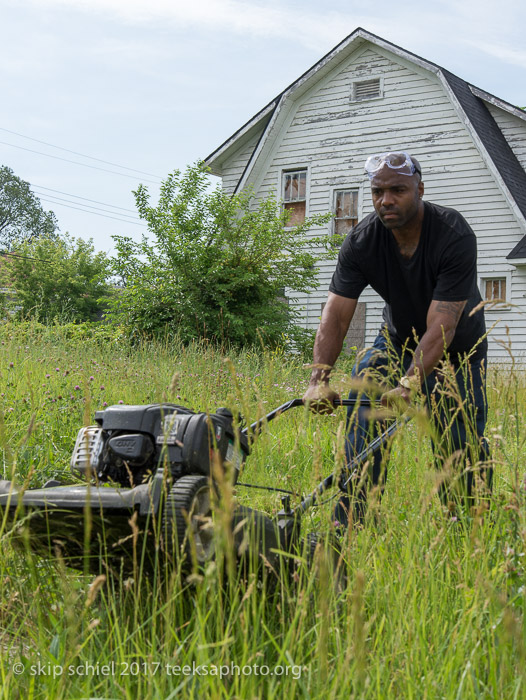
x,y
76,162
77,196
89,206
86,211
83,155
25,257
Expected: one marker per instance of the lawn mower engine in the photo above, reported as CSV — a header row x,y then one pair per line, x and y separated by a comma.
x,y
147,492
149,467
131,442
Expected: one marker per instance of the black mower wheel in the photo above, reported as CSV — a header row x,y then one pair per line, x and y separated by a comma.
x,y
187,521
331,556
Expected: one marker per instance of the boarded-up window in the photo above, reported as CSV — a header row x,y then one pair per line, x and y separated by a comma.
x,y
366,90
495,288
345,211
355,336
295,195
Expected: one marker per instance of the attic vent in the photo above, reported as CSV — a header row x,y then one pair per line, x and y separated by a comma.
x,y
366,90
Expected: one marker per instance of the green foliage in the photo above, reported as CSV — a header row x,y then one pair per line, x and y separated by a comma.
x,y
21,214
216,265
70,335
58,279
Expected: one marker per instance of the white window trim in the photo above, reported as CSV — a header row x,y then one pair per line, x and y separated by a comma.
x,y
363,80
485,277
341,188
281,186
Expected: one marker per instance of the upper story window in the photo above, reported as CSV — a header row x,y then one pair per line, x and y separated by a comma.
x,y
295,195
345,211
366,89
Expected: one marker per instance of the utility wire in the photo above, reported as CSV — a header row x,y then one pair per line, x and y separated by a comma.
x,y
86,211
77,196
76,162
25,257
76,153
89,206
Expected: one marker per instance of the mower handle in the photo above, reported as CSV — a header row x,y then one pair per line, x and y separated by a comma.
x,y
352,469
293,403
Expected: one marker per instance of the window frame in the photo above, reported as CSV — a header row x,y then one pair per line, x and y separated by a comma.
x,y
358,187
281,187
493,277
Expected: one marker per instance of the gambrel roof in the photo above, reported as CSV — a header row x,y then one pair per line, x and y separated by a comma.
x,y
469,101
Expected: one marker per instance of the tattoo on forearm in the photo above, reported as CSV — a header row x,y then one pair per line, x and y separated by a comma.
x,y
453,309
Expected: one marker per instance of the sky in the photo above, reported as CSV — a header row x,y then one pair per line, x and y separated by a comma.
x,y
101,95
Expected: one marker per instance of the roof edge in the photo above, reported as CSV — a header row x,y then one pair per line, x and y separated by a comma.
x,y
253,122
519,252
498,102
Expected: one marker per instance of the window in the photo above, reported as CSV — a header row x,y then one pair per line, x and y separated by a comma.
x,y
366,90
345,211
295,195
494,288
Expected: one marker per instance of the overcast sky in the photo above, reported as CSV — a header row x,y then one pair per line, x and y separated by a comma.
x,y
154,85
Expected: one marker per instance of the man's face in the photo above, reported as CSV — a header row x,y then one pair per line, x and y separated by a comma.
x,y
396,197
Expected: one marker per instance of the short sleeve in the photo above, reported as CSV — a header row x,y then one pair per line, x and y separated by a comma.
x,y
348,279
457,273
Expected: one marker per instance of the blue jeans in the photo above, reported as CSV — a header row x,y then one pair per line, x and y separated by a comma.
x,y
458,414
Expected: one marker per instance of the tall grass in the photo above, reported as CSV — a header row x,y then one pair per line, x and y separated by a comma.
x,y
431,607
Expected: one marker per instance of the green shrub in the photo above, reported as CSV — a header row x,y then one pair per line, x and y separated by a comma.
x,y
58,279
216,265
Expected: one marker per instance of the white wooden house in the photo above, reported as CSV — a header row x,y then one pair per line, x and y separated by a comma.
x,y
308,148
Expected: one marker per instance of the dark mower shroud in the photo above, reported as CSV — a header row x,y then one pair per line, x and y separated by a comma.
x,y
151,475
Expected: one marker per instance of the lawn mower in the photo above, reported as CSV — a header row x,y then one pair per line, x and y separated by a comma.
x,y
148,478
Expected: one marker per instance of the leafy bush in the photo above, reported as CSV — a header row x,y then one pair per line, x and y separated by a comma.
x,y
216,265
58,279
69,334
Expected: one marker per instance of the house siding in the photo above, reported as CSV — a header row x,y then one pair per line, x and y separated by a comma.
x,y
235,166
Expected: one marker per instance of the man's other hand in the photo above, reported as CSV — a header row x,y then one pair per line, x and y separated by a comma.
x,y
396,398
320,398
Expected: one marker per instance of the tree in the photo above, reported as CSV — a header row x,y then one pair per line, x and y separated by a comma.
x,y
59,279
21,214
215,265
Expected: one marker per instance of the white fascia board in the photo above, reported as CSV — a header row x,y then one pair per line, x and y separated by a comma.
x,y
233,141
502,104
401,53
259,148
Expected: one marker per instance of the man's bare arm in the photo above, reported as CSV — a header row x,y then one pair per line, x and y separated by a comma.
x,y
442,320
335,320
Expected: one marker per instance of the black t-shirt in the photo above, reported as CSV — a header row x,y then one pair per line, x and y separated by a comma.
x,y
443,268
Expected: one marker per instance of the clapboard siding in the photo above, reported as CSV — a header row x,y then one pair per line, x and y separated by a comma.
x,y
514,129
320,128
235,166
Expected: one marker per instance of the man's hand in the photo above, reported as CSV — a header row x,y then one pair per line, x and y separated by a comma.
x,y
396,398
335,319
320,398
